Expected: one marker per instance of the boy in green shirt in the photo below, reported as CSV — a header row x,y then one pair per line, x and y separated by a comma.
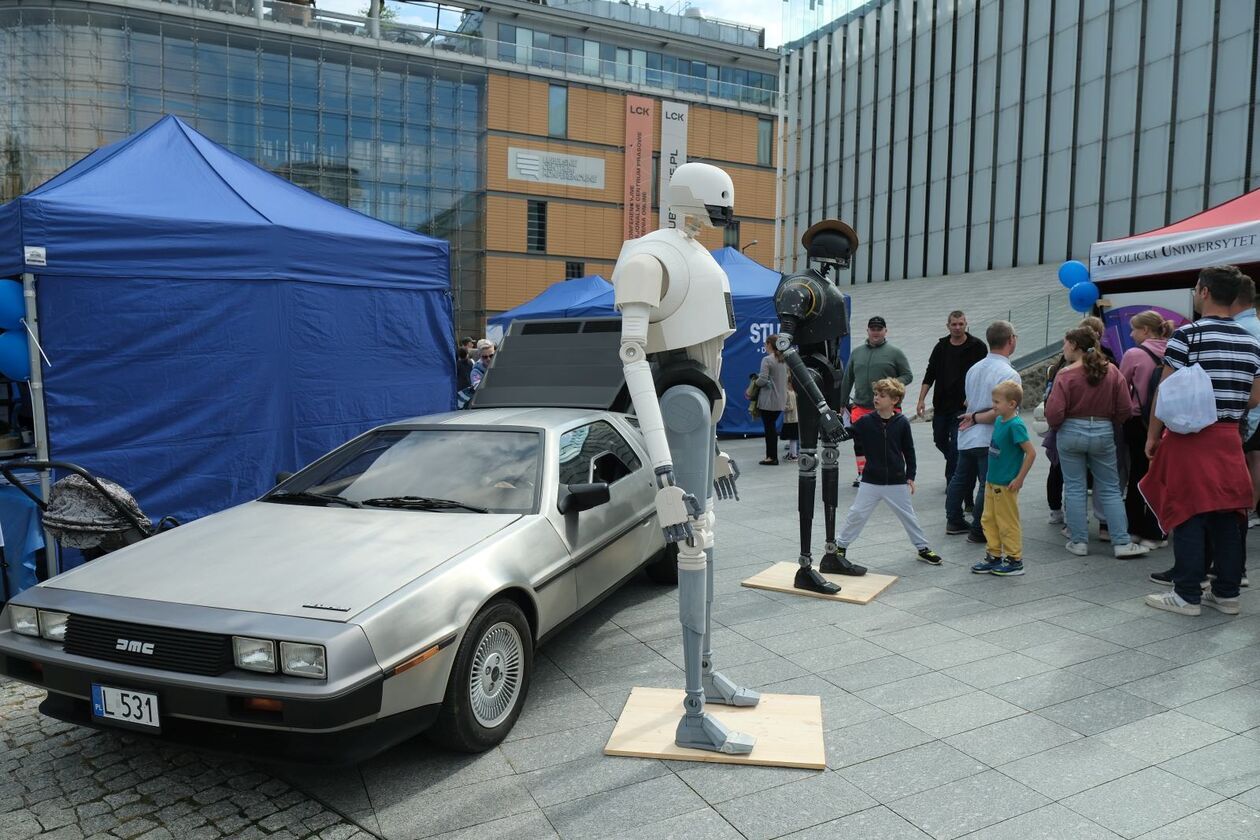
x,y
1011,456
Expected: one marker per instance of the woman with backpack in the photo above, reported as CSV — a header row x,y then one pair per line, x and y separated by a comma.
x,y
1142,366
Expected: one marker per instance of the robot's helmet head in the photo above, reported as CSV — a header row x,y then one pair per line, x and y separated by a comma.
x,y
704,191
830,241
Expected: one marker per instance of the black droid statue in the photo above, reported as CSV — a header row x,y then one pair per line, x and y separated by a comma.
x,y
812,320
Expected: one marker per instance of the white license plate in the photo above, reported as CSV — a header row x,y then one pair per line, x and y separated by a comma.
x,y
123,705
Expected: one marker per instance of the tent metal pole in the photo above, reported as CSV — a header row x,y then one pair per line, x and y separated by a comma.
x,y
37,410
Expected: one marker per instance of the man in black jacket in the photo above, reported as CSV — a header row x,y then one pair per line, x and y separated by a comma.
x,y
890,467
947,369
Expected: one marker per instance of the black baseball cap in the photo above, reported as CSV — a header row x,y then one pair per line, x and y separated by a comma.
x,y
877,322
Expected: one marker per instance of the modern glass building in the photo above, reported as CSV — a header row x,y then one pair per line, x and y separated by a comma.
x,y
965,135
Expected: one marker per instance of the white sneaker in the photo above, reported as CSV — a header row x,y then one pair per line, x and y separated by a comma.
x,y
1080,549
1172,602
1056,517
1253,519
1131,550
1152,544
1229,606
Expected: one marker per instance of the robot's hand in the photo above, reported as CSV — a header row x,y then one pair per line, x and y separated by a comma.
x,y
675,508
831,426
725,474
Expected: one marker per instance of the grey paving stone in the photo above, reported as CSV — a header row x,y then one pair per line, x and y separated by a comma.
x,y
1013,738
967,805
561,716
556,748
959,714
426,814
531,825
1141,802
839,707
837,655
414,768
1120,668
1071,651
865,622
916,638
957,652
587,776
762,673
1052,822
1099,712
1023,636
1091,618
1228,767
1184,685
706,824
995,670
611,813
873,672
1195,646
871,739
810,638
721,782
1137,633
1228,820
1073,767
1161,737
912,770
877,823
907,694
796,805
1045,689
1236,710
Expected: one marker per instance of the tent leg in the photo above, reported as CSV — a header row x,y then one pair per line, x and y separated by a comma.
x,y
38,417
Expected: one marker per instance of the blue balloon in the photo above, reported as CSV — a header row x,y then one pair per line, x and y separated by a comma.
x,y
15,357
12,305
1073,272
1083,296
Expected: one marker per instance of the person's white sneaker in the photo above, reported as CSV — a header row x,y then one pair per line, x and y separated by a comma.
x,y
1152,544
1080,549
1253,519
1229,606
1131,550
1172,602
1056,517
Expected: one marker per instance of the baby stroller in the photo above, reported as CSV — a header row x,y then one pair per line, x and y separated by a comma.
x,y
91,514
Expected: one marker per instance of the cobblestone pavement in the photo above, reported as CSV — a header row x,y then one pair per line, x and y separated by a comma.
x,y
69,782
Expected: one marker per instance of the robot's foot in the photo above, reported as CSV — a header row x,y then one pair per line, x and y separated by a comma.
x,y
837,564
809,579
705,732
719,689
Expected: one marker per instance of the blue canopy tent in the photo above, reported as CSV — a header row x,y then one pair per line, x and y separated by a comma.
x,y
208,323
752,296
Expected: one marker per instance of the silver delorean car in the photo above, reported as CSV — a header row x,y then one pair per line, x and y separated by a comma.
x,y
399,584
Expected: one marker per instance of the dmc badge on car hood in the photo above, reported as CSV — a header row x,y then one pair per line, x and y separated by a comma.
x,y
315,562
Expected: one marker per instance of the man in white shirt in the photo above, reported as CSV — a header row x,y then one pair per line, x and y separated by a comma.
x,y
975,430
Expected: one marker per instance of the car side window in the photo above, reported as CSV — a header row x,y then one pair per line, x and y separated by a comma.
x,y
595,452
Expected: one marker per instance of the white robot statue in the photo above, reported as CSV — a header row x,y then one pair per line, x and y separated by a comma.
x,y
675,305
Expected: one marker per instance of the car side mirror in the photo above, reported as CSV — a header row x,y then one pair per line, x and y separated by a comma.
x,y
575,498
282,477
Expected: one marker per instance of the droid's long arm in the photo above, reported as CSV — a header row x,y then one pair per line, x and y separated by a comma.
x,y
638,292
829,422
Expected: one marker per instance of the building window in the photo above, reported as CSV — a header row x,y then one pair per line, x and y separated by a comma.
x,y
536,228
730,234
574,270
765,140
558,111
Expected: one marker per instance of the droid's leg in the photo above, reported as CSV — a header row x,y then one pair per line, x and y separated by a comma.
x,y
688,427
807,577
718,688
834,561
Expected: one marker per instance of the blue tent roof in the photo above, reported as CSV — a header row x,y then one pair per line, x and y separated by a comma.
x,y
749,279
576,298
168,203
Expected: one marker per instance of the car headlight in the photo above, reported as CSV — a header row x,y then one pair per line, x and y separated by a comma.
x,y
254,654
24,620
302,660
52,625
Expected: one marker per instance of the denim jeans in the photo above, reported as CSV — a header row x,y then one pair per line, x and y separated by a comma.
x,y
972,464
1089,446
945,438
1191,539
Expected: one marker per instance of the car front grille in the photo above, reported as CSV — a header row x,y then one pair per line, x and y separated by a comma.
x,y
171,649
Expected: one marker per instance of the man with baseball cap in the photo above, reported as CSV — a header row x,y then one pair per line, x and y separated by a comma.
x,y
873,360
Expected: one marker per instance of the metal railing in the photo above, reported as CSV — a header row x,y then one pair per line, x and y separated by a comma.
x,y
1040,324
440,43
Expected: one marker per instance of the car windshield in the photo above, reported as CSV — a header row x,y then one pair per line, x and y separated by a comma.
x,y
481,468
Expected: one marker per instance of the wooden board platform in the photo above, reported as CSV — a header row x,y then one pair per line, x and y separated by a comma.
x,y
788,728
853,590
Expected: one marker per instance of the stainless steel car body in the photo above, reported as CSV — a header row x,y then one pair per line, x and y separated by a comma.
x,y
375,586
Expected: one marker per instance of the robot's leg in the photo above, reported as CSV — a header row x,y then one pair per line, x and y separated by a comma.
x,y
807,577
834,561
688,427
717,687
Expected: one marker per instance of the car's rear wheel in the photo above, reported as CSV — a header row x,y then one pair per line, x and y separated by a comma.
x,y
489,680
663,568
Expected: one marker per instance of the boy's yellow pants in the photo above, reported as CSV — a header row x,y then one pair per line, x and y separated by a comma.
x,y
1001,522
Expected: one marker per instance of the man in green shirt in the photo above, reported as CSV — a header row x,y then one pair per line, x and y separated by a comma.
x,y
870,362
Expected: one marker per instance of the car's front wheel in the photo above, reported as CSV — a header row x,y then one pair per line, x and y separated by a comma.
x,y
489,680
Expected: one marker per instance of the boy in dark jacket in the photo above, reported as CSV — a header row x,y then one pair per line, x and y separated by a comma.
x,y
890,467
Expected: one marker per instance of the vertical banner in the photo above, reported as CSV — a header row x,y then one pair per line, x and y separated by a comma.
x,y
673,153
638,198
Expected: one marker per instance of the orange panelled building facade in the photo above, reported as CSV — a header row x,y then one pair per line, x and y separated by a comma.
x,y
556,180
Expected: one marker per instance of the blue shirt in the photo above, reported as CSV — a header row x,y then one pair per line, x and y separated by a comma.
x,y
1248,321
982,378
1006,456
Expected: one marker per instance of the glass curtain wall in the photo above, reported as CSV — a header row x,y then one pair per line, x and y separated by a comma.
x,y
398,138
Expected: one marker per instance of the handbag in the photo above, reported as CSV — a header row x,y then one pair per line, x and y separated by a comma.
x,y
750,393
1185,401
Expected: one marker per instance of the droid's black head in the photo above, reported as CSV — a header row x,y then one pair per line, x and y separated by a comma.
x,y
830,241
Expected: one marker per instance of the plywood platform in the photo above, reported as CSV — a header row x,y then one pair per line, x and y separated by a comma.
x,y
854,590
788,728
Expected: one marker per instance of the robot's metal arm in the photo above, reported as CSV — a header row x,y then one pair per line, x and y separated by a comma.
x,y
829,422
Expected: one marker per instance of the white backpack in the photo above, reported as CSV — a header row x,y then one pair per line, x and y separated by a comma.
x,y
1185,400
